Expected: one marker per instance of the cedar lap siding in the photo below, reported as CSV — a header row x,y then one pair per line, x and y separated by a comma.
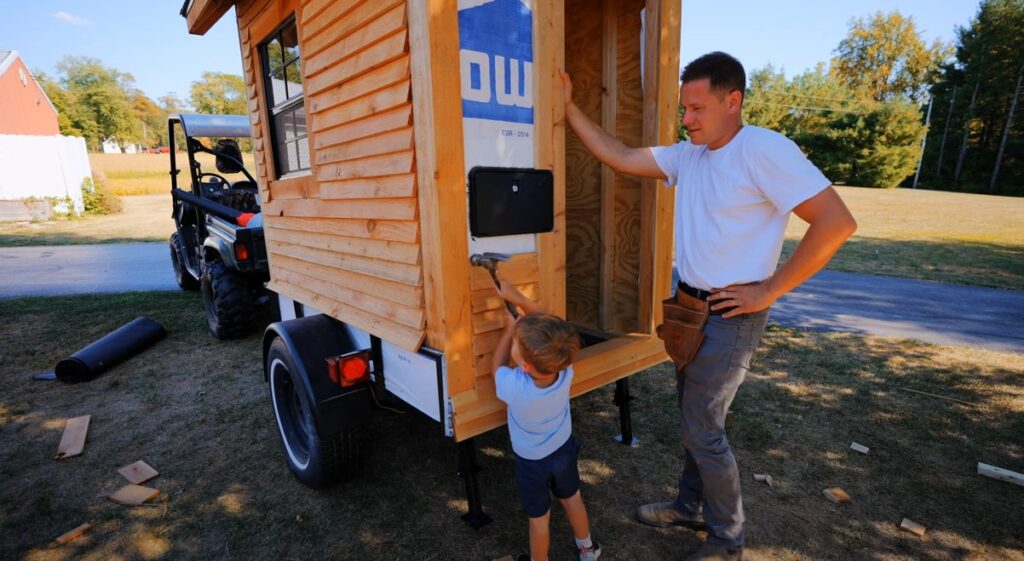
x,y
24,107
374,232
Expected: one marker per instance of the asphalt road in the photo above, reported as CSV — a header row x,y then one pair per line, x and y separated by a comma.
x,y
928,311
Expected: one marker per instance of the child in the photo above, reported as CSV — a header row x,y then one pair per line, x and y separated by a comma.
x,y
539,424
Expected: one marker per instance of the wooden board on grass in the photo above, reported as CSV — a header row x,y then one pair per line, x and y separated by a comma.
x,y
72,534
138,472
73,440
133,495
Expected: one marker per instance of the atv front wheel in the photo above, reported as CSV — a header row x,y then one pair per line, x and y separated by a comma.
x,y
184,278
228,301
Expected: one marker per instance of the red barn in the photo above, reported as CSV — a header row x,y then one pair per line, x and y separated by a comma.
x,y
24,107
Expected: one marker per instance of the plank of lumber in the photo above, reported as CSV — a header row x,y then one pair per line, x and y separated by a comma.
x,y
385,209
938,396
381,110
407,316
371,166
73,533
520,269
390,22
859,448
1001,474
376,249
376,55
391,230
406,274
836,495
410,296
72,442
912,527
377,145
133,495
388,186
339,22
138,472
356,88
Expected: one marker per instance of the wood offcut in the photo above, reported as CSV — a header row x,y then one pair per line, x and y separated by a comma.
x,y
138,472
72,442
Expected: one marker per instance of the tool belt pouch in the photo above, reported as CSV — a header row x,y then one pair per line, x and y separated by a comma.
x,y
683,329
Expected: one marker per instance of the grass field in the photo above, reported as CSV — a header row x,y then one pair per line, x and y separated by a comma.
x,y
148,174
934,235
197,410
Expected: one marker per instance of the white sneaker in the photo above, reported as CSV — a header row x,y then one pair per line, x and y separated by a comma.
x,y
590,553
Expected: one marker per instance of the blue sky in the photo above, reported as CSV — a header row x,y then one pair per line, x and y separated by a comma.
x,y
148,39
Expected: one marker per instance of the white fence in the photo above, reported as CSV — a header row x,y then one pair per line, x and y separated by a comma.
x,y
43,166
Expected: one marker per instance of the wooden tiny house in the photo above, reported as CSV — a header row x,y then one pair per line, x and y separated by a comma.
x,y
367,117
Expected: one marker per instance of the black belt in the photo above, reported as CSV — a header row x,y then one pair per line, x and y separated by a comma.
x,y
701,295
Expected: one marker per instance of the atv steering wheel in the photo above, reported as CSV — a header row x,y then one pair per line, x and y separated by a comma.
x,y
219,183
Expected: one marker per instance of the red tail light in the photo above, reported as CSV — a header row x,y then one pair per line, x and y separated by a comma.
x,y
241,252
350,369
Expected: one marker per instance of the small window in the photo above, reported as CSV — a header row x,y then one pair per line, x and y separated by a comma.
x,y
283,81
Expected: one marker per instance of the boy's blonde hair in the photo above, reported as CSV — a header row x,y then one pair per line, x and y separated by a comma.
x,y
547,342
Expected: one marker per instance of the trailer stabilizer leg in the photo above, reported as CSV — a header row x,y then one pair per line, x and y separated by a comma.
x,y
468,468
622,399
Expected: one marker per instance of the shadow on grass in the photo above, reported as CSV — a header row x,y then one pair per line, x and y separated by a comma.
x,y
973,263
197,410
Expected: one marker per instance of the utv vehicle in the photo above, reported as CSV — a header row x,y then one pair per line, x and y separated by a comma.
x,y
218,244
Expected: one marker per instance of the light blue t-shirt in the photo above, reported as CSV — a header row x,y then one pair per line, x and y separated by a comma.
x,y
538,418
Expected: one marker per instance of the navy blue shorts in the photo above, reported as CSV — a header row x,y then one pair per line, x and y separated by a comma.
x,y
556,473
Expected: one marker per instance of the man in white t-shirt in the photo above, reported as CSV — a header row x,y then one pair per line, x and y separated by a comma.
x,y
736,186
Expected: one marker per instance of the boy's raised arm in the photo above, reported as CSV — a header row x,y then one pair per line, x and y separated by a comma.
x,y
504,349
511,294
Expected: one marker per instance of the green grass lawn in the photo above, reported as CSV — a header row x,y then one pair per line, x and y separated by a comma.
x,y
934,235
197,410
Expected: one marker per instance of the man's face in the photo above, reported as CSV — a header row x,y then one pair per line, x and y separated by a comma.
x,y
710,117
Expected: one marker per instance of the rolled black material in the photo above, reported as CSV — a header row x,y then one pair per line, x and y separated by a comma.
x,y
127,341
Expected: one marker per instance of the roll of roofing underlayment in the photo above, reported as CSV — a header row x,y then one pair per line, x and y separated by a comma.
x,y
115,347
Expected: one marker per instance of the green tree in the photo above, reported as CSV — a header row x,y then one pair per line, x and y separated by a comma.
x,y
886,58
219,94
100,98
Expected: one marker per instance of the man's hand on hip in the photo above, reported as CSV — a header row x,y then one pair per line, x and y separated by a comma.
x,y
742,298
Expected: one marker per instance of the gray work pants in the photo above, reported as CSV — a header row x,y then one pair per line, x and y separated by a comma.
x,y
706,387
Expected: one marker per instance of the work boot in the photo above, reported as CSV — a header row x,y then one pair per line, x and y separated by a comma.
x,y
663,515
709,552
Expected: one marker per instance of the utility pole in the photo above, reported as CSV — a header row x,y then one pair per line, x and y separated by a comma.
x,y
967,130
927,121
1006,133
942,147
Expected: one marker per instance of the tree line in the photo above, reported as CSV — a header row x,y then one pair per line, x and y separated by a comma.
x,y
100,103
863,118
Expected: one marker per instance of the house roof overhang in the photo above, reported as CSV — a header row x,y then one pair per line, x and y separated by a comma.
x,y
202,14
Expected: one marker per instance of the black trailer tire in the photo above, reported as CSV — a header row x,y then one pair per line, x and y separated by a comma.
x,y
316,460
228,301
184,278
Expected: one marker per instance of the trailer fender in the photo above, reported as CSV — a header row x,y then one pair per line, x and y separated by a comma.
x,y
310,341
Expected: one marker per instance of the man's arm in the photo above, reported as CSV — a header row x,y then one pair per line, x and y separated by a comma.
x,y
831,224
605,147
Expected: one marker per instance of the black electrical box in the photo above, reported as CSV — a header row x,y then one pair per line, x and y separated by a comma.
x,y
507,201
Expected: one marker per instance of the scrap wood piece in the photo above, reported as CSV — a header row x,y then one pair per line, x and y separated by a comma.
x,y
912,527
859,448
1001,474
72,442
764,477
837,495
138,472
960,401
72,534
133,495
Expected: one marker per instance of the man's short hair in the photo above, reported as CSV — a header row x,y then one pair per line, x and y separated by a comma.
x,y
723,70
547,342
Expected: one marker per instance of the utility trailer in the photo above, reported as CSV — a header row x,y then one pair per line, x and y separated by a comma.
x,y
396,138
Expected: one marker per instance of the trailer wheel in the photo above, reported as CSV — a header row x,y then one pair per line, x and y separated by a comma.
x,y
316,460
184,279
228,301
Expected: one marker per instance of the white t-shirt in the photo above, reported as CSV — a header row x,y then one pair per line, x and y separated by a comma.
x,y
733,203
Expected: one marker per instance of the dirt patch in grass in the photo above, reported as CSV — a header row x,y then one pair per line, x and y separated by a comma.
x,y
933,235
197,410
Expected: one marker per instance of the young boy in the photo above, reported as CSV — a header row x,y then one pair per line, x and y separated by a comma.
x,y
539,424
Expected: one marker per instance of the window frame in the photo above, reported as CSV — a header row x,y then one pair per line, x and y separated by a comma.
x,y
293,105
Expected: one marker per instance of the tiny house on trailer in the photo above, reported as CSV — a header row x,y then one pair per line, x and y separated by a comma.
x,y
368,119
